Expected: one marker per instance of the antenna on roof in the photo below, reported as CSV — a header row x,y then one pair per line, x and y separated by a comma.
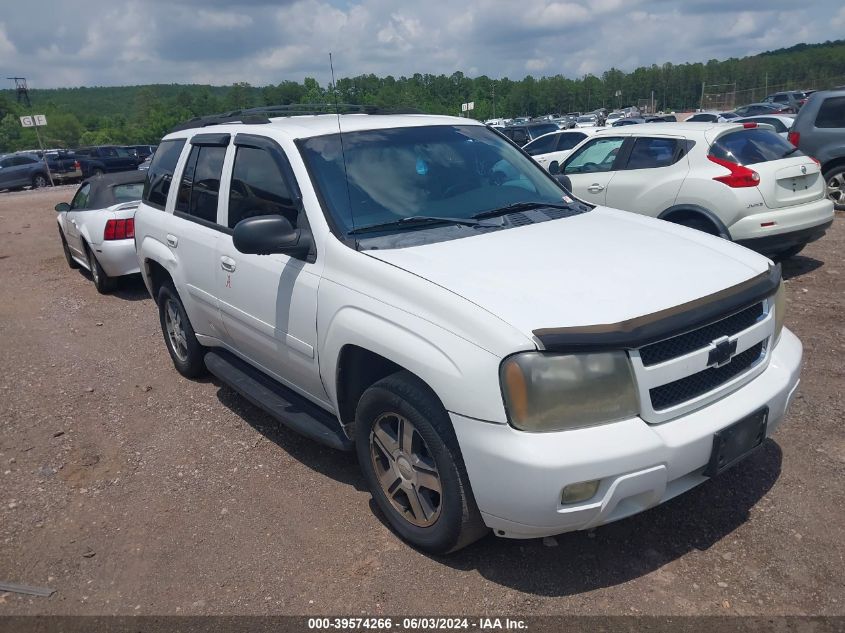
x,y
340,135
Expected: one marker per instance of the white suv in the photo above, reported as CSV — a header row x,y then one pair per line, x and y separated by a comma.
x,y
419,290
740,181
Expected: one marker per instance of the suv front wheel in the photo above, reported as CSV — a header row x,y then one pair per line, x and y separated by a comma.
x,y
410,457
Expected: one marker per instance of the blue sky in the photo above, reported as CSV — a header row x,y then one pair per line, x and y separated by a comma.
x,y
119,42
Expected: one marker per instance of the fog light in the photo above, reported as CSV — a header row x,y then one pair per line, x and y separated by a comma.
x,y
573,493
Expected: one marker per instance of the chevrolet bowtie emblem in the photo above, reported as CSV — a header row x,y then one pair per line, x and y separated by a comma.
x,y
721,353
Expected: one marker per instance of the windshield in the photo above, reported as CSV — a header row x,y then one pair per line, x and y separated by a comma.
x,y
586,119
443,171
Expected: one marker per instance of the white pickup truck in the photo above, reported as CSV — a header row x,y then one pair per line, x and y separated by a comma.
x,y
417,289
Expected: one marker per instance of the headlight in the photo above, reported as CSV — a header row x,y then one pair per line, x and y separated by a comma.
x,y
554,392
780,310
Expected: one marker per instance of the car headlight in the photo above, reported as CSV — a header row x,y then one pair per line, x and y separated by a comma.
x,y
554,392
780,310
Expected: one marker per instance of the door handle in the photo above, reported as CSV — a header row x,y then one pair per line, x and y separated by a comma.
x,y
172,240
227,264
595,188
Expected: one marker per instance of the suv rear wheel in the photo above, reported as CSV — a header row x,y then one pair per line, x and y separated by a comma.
x,y
834,179
39,181
413,466
185,350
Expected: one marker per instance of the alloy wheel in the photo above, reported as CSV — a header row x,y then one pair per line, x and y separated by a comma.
x,y
175,330
836,188
406,470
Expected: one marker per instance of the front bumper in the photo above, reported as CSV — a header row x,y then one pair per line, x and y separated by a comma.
x,y
517,478
118,257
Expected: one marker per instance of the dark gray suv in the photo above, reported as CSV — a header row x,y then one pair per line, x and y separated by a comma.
x,y
22,170
819,131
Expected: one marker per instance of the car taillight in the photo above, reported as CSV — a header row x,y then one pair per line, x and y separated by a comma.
x,y
740,176
119,229
794,138
76,165
749,125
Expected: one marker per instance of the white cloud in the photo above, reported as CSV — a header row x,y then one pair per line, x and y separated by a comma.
x,y
264,41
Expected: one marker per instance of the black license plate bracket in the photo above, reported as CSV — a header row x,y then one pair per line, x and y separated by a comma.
x,y
735,442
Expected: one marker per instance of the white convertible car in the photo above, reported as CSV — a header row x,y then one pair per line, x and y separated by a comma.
x,y
97,228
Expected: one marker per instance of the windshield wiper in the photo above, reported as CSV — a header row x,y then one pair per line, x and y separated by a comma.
x,y
519,206
417,219
789,152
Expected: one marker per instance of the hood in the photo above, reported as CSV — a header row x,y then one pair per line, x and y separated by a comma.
x,y
601,267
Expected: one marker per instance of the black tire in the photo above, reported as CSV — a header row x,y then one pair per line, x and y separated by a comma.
x,y
789,252
71,262
39,181
188,358
834,179
698,223
457,522
102,282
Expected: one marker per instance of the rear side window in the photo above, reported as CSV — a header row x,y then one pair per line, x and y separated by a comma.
x,y
160,174
200,184
569,140
650,153
831,113
747,147
707,118
258,188
129,192
781,98
519,136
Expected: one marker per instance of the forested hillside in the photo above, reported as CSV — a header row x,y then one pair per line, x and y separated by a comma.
x,y
141,114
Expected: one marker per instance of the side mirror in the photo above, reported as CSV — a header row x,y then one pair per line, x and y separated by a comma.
x,y
554,168
565,181
62,207
269,234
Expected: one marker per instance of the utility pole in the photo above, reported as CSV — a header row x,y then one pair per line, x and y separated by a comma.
x,y
701,104
494,100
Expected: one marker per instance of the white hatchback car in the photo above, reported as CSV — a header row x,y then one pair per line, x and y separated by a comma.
x,y
740,181
97,228
552,148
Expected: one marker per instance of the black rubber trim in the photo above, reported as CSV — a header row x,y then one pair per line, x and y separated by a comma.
x,y
211,140
694,208
774,244
286,406
203,222
658,326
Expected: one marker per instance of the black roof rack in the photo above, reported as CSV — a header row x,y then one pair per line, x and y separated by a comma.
x,y
258,116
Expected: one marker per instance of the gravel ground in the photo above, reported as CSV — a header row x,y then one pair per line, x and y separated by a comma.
x,y
130,490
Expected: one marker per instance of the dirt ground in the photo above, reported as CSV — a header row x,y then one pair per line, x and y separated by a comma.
x,y
131,490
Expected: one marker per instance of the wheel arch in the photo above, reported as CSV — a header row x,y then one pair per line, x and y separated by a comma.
x,y
679,212
832,163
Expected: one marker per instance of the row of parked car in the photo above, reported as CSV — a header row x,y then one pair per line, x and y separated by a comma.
x,y
36,168
501,348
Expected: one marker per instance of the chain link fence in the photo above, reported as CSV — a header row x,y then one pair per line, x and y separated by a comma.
x,y
724,97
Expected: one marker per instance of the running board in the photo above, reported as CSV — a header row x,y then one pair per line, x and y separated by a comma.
x,y
289,408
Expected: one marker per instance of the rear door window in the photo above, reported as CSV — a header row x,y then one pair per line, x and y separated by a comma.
x,y
651,153
831,113
200,184
569,140
160,173
747,147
